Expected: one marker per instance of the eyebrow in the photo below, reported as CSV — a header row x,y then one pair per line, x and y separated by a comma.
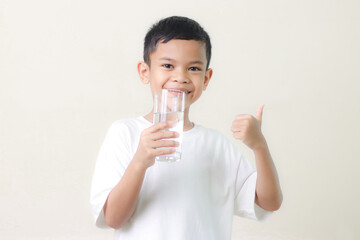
x,y
171,60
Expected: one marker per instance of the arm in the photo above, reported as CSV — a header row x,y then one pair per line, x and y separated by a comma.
x,y
268,192
248,129
122,200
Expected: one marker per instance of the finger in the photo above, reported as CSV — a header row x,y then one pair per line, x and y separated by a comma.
x,y
236,128
242,116
259,113
165,143
160,126
239,125
164,134
238,135
164,151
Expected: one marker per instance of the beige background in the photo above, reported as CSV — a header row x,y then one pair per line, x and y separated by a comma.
x,y
68,70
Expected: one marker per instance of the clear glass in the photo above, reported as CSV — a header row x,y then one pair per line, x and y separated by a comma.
x,y
169,105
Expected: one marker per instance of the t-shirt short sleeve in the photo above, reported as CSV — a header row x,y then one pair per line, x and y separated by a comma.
x,y
111,164
244,205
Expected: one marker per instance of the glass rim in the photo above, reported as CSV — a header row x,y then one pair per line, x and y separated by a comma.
x,y
170,90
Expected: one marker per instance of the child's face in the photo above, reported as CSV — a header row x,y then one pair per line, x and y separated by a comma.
x,y
178,64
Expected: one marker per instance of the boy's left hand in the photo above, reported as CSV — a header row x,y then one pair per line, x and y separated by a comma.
x,y
247,128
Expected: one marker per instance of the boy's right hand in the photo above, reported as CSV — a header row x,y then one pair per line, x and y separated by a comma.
x,y
154,142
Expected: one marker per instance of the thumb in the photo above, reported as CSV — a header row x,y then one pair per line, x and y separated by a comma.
x,y
259,113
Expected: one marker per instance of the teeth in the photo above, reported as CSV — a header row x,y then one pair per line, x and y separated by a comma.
x,y
186,92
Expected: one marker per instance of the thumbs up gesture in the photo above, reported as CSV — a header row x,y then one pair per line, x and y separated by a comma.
x,y
247,128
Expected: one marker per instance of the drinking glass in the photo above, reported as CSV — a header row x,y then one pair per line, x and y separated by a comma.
x,y
169,105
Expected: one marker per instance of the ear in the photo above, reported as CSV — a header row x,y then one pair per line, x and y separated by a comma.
x,y
208,75
144,72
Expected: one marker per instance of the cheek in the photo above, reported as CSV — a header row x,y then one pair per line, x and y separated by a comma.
x,y
195,95
158,79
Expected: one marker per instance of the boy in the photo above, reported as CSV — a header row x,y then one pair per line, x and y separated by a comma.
x,y
196,197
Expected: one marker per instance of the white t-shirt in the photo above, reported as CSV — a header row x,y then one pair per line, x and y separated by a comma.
x,y
194,198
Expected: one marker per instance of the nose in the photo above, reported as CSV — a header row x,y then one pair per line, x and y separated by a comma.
x,y
181,77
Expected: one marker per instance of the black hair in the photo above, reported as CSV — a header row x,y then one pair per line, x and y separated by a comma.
x,y
175,27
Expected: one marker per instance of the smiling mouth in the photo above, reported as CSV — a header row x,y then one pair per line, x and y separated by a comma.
x,y
179,90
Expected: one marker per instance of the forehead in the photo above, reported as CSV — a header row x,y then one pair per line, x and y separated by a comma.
x,y
181,50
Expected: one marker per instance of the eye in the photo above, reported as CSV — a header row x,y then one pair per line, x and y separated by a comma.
x,y
194,69
169,66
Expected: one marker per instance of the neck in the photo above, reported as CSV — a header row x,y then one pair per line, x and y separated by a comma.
x,y
187,123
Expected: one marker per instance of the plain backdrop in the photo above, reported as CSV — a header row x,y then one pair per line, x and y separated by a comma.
x,y
68,70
